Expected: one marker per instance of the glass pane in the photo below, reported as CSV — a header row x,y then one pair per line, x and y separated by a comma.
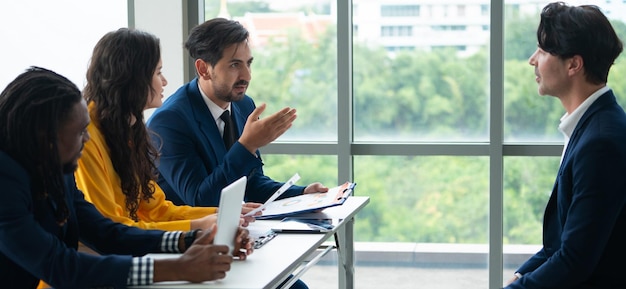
x,y
423,199
295,60
58,35
420,71
433,209
311,169
528,116
528,183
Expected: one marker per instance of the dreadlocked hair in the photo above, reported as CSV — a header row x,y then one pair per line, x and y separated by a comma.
x,y
32,109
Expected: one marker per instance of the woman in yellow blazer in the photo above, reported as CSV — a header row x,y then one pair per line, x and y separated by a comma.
x,y
117,170
97,178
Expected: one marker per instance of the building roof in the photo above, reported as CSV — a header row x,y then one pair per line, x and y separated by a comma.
x,y
265,27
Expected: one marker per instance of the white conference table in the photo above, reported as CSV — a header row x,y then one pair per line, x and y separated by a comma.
x,y
271,264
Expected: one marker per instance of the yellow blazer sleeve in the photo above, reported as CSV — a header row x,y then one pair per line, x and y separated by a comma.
x,y
101,185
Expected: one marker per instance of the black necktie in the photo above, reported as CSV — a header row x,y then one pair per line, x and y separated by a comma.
x,y
229,130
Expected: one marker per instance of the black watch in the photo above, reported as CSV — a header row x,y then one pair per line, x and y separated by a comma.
x,y
190,237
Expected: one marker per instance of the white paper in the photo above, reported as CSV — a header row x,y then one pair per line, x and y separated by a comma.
x,y
277,194
308,202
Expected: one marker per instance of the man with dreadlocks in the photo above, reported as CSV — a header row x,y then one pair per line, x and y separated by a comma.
x,y
43,121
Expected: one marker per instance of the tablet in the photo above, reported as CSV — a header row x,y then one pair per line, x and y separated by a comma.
x,y
229,213
305,225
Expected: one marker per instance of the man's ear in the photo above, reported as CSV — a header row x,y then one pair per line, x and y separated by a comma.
x,y
576,64
202,68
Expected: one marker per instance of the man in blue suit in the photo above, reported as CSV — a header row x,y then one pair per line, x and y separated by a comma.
x,y
195,162
584,231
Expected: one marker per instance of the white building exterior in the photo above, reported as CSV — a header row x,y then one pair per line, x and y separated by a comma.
x,y
411,24
430,24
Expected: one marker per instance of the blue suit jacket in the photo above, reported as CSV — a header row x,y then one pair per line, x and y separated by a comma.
x,y
33,246
194,164
584,230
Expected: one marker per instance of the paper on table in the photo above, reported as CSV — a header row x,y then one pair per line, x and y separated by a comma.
x,y
277,194
308,202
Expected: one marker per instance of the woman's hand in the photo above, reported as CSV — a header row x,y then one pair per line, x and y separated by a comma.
x,y
204,223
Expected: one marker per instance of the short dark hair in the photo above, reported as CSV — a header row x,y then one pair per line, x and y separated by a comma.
x,y
32,109
584,30
208,40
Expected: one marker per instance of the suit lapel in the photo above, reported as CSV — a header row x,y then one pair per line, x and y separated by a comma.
x,y
206,124
605,99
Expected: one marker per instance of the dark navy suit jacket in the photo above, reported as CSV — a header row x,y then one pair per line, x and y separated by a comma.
x,y
194,164
33,246
584,230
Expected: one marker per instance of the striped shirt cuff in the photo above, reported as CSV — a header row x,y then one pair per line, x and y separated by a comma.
x,y
142,268
141,271
169,244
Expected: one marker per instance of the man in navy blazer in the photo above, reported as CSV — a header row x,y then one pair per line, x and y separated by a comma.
x,y
195,164
584,230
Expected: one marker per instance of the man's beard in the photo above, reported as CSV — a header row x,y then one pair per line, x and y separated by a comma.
x,y
226,93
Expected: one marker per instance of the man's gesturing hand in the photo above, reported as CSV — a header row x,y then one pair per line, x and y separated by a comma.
x,y
259,132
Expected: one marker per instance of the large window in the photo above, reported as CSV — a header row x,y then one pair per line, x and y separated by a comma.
x,y
396,31
399,10
448,137
404,100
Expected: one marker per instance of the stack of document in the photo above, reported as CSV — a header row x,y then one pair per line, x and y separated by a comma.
x,y
274,208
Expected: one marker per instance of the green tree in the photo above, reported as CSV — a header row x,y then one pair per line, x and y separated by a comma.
x,y
301,75
527,114
520,37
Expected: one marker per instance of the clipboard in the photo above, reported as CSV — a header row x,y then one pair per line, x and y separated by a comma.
x,y
308,202
276,194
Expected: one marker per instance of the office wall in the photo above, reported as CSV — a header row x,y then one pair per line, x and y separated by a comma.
x,y
58,35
